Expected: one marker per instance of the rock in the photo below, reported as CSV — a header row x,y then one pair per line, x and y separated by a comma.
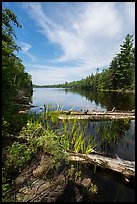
x,y
39,171
43,168
86,182
78,195
43,187
20,180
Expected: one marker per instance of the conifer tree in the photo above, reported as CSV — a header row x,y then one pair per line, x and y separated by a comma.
x,y
125,69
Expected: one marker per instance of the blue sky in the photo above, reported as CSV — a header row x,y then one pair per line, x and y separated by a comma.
x,y
67,41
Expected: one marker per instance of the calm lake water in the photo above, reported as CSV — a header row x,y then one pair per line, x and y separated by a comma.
x,y
122,145
68,98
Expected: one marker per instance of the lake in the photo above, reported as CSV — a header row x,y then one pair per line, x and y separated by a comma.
x,y
122,141
82,99
63,97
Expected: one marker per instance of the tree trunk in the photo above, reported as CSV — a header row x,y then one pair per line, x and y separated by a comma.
x,y
95,115
116,166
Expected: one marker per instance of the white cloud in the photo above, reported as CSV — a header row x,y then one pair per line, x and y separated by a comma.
x,y
53,75
25,47
130,12
89,32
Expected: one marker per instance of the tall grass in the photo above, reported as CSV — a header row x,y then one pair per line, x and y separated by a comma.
x,y
69,133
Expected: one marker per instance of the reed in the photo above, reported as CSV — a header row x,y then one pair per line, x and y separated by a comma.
x,y
71,135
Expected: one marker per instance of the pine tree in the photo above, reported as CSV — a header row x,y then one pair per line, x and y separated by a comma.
x,y
125,69
113,74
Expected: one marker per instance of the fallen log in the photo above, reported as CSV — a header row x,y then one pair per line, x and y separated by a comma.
x,y
119,166
97,115
23,111
99,112
28,106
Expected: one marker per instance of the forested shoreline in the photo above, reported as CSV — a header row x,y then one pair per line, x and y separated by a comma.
x,y
119,76
16,82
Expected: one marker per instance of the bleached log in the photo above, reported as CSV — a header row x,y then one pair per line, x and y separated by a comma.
x,y
99,112
124,167
97,115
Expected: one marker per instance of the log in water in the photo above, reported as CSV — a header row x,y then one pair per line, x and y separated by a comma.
x,y
97,115
116,166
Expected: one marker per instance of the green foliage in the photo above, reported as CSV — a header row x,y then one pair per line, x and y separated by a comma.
x,y
76,136
91,145
5,127
15,82
95,167
45,138
53,134
6,193
14,78
16,157
73,174
93,188
19,155
122,68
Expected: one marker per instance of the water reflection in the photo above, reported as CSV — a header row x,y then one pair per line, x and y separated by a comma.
x,y
12,120
110,189
66,99
114,138
79,99
121,101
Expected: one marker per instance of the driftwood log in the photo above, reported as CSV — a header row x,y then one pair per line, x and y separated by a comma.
x,y
26,107
117,166
97,115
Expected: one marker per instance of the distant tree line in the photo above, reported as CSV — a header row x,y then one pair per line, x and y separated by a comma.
x,y
120,75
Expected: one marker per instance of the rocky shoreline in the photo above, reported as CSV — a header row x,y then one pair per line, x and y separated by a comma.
x,y
37,183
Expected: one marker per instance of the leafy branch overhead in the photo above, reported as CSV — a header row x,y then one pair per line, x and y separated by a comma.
x,y
14,77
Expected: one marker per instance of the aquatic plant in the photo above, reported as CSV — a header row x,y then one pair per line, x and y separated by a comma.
x,y
108,133
93,188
